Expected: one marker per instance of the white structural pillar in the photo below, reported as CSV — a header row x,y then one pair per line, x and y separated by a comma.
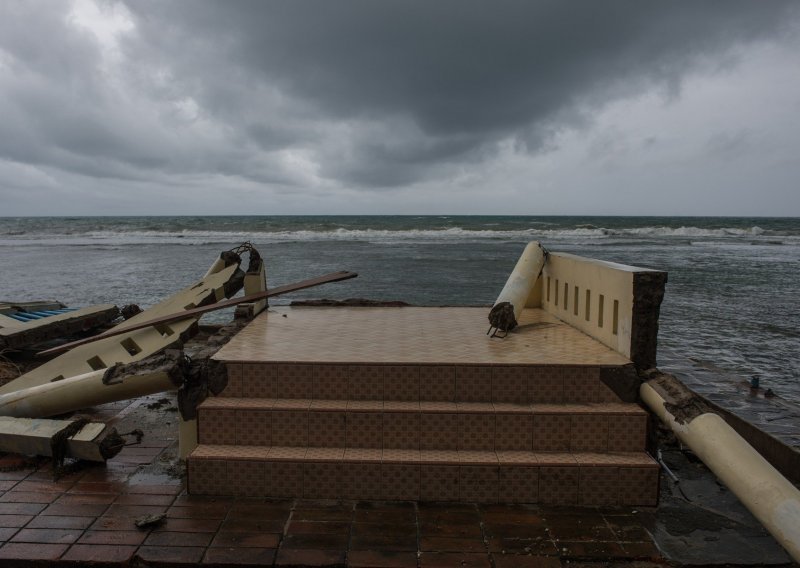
x,y
505,313
81,391
772,499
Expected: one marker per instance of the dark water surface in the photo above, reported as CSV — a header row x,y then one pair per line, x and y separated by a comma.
x,y
733,296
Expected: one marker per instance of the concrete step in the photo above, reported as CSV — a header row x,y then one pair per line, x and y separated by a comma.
x,y
448,383
423,425
565,478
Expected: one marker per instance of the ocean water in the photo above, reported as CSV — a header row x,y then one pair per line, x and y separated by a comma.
x,y
732,301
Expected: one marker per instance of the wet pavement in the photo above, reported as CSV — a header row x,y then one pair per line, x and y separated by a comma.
x,y
88,515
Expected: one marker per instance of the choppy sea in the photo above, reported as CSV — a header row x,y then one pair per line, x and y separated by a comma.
x,y
732,301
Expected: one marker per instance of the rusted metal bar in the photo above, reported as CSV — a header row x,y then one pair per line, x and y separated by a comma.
x,y
332,277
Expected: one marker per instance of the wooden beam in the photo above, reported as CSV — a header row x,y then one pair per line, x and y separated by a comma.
x,y
303,284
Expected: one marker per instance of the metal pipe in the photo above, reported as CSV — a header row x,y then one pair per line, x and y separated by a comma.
x,y
769,496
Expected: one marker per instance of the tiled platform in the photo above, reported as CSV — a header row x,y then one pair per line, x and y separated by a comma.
x,y
420,404
411,335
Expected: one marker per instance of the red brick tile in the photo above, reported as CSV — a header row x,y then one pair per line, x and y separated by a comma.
x,y
43,486
132,511
308,557
28,497
204,511
14,521
591,550
170,554
12,462
21,508
162,538
381,559
454,559
6,534
315,541
525,561
261,510
113,487
131,537
146,489
77,510
318,527
397,513
247,540
91,553
316,511
56,522
240,556
189,525
32,551
137,499
7,485
254,524
86,499
389,542
49,536
451,544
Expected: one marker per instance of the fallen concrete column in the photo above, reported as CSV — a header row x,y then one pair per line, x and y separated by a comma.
x,y
162,372
92,442
769,496
512,299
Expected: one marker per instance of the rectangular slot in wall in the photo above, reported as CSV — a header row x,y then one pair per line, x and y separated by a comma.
x,y
164,330
548,288
615,317
130,346
96,363
556,292
588,305
575,302
600,302
566,295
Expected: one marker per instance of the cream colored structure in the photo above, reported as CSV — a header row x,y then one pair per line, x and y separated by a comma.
x,y
520,282
133,346
772,499
80,391
32,437
614,303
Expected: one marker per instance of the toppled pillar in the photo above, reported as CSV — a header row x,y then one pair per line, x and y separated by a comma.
x,y
769,496
159,373
92,441
514,296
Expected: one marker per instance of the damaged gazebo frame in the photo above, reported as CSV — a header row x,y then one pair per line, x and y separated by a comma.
x,y
148,358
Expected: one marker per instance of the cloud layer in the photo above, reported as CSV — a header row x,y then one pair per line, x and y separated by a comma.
x,y
362,106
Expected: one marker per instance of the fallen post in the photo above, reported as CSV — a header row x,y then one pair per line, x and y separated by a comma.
x,y
325,279
92,442
772,499
505,313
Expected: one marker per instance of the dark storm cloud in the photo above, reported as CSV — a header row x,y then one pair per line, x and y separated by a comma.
x,y
464,74
367,93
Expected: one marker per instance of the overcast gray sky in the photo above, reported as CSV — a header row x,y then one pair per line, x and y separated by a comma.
x,y
446,106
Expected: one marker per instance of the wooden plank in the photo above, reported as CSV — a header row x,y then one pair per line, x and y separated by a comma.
x,y
303,284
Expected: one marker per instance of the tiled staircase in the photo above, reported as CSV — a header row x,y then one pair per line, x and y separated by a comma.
x,y
510,434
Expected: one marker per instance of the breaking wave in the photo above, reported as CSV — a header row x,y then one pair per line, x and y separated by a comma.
x,y
197,236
